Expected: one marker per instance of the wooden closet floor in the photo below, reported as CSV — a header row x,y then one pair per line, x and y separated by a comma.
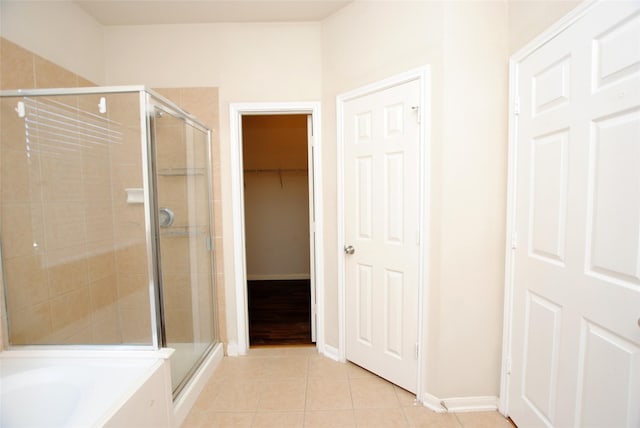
x,y
279,312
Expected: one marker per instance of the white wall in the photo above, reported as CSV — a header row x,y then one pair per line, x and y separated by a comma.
x,y
247,62
58,31
277,225
467,321
466,46
276,196
362,43
528,18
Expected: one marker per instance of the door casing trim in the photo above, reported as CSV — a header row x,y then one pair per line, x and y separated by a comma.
x,y
236,111
423,75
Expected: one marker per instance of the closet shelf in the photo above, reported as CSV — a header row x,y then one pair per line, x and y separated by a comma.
x,y
181,171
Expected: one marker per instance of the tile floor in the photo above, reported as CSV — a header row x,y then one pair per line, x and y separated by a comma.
x,y
297,387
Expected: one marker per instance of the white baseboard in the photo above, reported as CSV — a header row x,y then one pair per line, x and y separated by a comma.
x,y
460,404
232,349
331,352
433,403
187,398
276,277
471,404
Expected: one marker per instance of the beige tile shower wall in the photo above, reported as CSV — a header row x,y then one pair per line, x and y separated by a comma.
x,y
51,290
77,298
202,102
58,225
130,243
57,232
22,69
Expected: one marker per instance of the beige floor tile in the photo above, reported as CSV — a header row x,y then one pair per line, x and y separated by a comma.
x,y
354,371
483,420
382,418
244,368
208,394
285,351
421,417
278,420
236,397
284,368
330,419
372,393
328,394
295,387
192,420
405,398
326,368
283,395
226,419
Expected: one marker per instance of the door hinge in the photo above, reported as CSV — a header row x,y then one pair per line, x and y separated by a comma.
x,y
514,241
417,348
416,110
507,364
209,243
516,105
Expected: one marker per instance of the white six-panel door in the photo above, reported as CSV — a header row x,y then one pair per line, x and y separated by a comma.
x,y
575,344
381,215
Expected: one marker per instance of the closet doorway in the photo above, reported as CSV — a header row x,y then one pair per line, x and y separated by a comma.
x,y
275,159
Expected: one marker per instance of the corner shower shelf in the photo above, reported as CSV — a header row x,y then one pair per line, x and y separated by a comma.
x,y
184,231
181,171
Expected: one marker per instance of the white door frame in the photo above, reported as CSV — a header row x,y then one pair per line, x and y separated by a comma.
x,y
236,111
514,107
422,74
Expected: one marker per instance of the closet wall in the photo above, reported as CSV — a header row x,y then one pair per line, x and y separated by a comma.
x,y
276,196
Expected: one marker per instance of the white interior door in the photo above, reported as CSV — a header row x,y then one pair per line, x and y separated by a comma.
x,y
575,351
381,230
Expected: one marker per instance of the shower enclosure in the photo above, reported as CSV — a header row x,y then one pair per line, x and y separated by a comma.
x,y
107,223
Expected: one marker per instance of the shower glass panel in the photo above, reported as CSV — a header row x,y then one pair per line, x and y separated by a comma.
x,y
183,195
74,251
106,223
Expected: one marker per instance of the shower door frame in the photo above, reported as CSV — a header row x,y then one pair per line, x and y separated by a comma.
x,y
155,102
151,101
155,331
147,101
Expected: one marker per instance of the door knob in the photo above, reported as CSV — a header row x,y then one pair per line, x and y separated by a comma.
x,y
348,249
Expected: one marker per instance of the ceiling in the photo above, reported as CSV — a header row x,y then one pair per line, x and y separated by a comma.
x,y
149,12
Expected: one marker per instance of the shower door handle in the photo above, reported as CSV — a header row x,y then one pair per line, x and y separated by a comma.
x,y
349,250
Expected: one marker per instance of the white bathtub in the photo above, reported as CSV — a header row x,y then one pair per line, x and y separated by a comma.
x,y
83,389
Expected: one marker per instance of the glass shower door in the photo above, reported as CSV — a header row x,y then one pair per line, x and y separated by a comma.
x,y
184,224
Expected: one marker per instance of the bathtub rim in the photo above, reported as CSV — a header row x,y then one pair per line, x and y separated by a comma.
x,y
154,361
38,351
